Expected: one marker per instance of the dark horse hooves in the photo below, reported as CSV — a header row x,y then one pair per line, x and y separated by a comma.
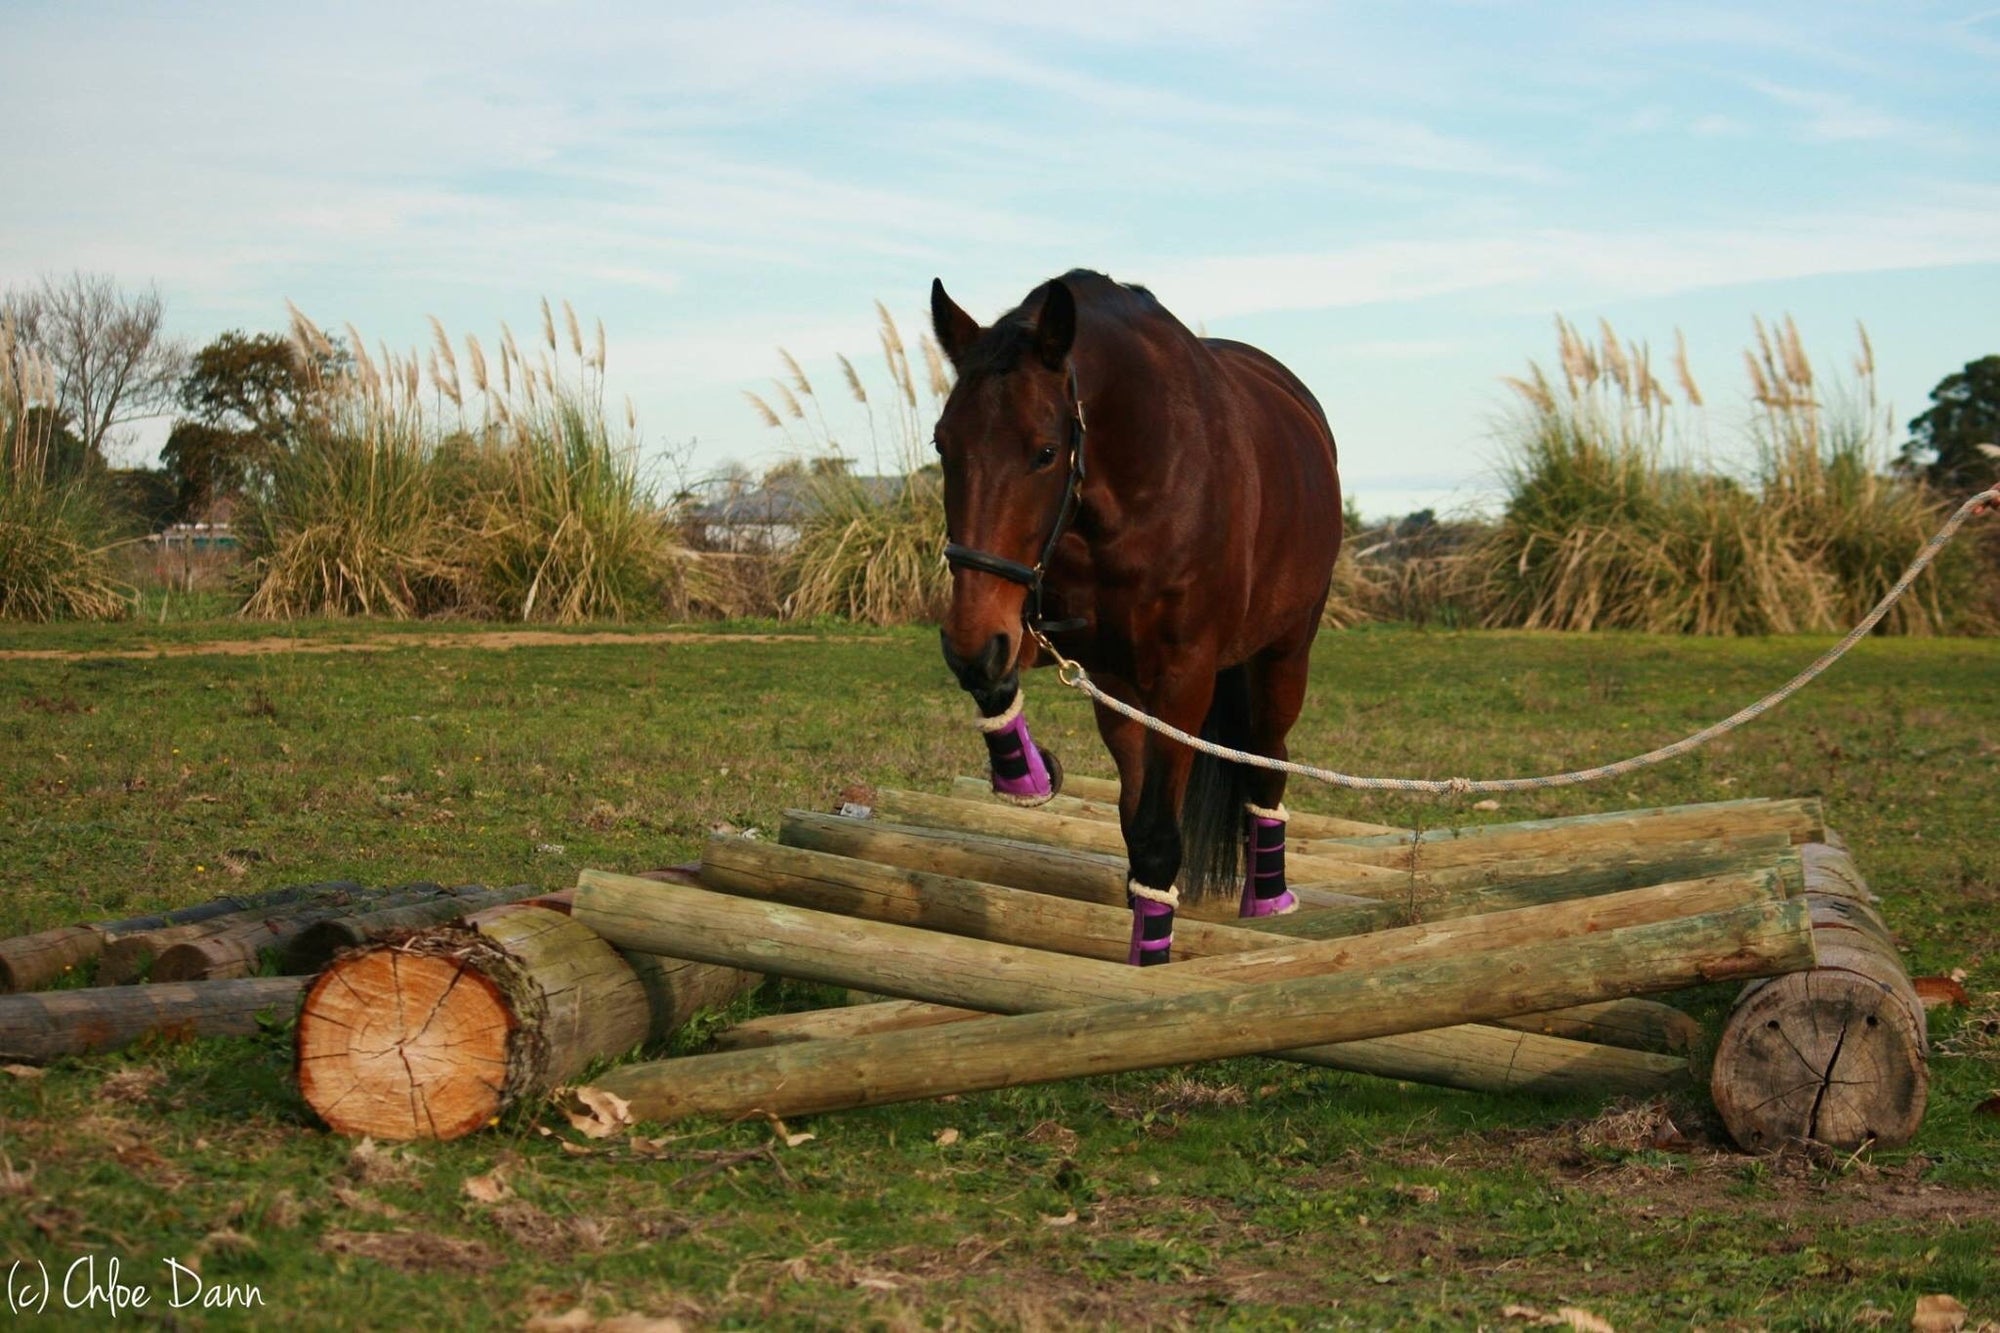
x,y
1054,765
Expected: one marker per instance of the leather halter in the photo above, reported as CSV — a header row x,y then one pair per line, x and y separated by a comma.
x,y
1032,576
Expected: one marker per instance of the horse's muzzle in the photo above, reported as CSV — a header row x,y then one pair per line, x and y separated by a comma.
x,y
986,670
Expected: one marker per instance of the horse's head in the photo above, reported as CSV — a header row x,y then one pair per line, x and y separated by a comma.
x,y
1005,437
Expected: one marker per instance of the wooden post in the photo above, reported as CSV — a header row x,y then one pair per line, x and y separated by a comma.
x,y
433,1036
238,948
128,956
1310,1007
1802,820
315,946
31,962
1836,1054
40,1026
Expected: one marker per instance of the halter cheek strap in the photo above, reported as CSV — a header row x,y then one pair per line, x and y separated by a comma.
x,y
1032,576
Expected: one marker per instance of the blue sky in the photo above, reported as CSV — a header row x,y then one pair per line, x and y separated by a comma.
x,y
1395,199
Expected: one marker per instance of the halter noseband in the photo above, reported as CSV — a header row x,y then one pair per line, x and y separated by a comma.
x,y
1031,576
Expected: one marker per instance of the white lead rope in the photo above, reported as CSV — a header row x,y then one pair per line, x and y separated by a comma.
x,y
1073,675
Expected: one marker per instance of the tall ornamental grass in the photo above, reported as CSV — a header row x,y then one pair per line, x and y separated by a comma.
x,y
57,529
871,552
501,490
1618,518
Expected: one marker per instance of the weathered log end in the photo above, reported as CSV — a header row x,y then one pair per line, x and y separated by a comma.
x,y
407,1045
1835,1054
34,962
1827,1055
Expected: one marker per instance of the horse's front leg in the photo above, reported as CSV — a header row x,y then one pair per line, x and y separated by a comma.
x,y
1152,780
1022,772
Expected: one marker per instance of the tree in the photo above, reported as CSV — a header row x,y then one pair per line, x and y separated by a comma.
x,y
1964,414
112,360
245,396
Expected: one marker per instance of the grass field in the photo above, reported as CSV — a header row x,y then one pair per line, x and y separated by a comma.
x,y
1243,1194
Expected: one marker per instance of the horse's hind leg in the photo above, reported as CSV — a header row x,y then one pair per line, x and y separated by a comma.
x,y
1277,693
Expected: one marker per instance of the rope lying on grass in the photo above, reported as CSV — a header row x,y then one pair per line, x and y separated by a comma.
x,y
1073,675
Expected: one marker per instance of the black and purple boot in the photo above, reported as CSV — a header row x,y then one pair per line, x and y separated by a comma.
x,y
1264,891
1152,923
1020,773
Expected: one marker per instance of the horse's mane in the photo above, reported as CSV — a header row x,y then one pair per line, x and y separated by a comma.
x,y
1012,335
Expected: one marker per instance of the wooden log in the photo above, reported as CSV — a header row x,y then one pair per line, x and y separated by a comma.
x,y
1422,895
872,892
1801,819
1662,851
1103,807
239,949
434,1035
315,946
972,973
1836,1054
1314,1008
128,956
30,962
38,1027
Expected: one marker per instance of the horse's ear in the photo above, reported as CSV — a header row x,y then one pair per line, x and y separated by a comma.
x,y
1055,327
956,331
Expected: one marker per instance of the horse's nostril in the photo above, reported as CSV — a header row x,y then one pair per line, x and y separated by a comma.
x,y
993,662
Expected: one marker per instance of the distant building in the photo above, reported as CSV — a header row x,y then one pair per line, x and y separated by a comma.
x,y
767,515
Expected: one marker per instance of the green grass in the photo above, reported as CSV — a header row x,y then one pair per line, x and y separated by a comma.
x,y
1244,1194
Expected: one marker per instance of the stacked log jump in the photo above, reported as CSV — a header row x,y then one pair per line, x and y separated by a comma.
x,y
1501,957
1497,958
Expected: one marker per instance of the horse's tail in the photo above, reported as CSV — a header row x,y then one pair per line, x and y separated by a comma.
x,y
1212,810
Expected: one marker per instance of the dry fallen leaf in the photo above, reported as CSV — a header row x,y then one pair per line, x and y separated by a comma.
x,y
22,1071
602,1114
1936,992
794,1140
1569,1316
1938,1314
489,1188
1067,1219
1488,804
946,1137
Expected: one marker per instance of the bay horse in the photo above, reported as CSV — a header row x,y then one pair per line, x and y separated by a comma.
x,y
1166,510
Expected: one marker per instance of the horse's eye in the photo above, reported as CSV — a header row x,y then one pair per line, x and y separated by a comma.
x,y
1045,457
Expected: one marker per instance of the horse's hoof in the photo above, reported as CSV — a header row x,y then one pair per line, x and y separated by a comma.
x,y
1054,765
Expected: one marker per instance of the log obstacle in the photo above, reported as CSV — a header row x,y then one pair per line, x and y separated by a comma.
x,y
240,947
1097,798
1837,1053
1760,937
872,892
1270,1000
435,1035
128,957
32,962
1405,896
37,1027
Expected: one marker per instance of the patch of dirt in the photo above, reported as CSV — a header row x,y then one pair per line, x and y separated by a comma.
x,y
526,638
415,1251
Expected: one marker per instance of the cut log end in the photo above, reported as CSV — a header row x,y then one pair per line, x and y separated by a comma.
x,y
1825,1055
405,1045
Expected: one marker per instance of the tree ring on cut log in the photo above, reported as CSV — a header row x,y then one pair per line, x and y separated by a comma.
x,y
427,1038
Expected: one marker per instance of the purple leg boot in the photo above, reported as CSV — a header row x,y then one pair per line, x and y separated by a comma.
x,y
1264,891
1020,774
1152,923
